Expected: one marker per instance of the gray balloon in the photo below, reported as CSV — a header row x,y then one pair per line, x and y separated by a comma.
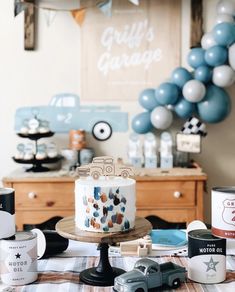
x,y
161,118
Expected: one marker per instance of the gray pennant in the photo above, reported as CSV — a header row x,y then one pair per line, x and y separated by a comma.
x,y
19,7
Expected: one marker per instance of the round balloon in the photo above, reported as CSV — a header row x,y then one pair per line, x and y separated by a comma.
x,y
216,56
167,93
224,18
208,41
196,57
215,106
194,90
141,123
180,76
184,109
223,76
161,118
203,74
224,33
147,99
226,7
231,56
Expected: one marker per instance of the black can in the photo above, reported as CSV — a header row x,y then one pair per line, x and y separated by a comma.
x,y
7,212
207,257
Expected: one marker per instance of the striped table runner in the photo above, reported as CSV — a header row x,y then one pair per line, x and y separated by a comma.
x,y
62,275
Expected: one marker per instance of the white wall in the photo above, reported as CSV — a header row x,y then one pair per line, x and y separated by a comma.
x,y
32,77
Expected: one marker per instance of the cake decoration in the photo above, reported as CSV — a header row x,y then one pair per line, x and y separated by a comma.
x,y
105,199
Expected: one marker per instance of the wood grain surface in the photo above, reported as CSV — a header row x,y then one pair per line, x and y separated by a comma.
x,y
67,228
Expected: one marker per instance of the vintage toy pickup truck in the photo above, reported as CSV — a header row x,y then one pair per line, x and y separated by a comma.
x,y
148,274
65,113
104,165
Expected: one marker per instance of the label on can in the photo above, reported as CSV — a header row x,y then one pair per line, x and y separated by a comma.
x,y
7,212
19,259
223,212
207,257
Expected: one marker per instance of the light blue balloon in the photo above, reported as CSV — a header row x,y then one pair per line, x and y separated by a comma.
x,y
215,106
184,109
167,93
147,99
196,58
203,74
141,123
224,33
180,76
216,56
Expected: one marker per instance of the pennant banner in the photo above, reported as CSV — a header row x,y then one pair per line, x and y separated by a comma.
x,y
19,7
106,7
79,15
136,2
49,16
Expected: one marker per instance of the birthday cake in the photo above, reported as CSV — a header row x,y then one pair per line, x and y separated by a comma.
x,y
105,205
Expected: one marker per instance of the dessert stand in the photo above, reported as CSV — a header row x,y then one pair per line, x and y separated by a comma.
x,y
103,274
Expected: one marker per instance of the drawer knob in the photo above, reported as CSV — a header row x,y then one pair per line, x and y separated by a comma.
x,y
32,195
50,203
177,194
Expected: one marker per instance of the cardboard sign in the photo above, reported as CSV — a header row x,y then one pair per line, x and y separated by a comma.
x,y
188,143
134,49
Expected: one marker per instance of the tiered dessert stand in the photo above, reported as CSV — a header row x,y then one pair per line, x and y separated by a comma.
x,y
37,163
103,274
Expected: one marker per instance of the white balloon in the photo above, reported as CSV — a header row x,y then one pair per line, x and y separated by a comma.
x,y
161,118
208,41
224,18
194,90
226,7
223,76
231,56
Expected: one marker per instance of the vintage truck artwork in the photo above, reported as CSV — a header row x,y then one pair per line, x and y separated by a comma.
x,y
65,113
148,274
105,166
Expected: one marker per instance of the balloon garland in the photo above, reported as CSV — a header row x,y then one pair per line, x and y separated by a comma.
x,y
200,92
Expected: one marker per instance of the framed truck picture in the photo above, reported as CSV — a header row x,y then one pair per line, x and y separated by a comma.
x,y
135,48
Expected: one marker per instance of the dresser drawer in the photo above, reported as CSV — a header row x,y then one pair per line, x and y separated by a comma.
x,y
172,193
44,196
170,215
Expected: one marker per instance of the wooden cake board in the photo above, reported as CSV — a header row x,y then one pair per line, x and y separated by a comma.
x,y
103,274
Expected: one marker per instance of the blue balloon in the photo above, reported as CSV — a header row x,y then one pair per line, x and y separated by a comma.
x,y
224,33
203,74
184,109
167,93
196,57
147,99
180,76
141,123
216,56
215,106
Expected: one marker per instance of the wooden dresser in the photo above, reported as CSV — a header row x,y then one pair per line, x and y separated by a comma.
x,y
175,196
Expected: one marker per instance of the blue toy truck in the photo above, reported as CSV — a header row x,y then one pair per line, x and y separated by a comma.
x,y
147,274
65,113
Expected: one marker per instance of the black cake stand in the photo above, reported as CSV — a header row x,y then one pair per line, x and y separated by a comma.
x,y
104,273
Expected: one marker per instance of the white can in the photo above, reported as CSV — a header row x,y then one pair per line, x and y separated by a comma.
x,y
19,259
207,257
7,212
223,212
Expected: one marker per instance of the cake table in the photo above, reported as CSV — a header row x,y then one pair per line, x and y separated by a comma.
x,y
103,274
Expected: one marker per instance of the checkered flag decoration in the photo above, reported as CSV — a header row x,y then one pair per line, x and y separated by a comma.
x,y
194,126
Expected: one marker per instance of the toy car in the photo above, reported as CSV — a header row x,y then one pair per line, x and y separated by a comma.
x,y
148,274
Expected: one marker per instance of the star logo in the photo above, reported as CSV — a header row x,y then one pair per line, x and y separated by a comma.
x,y
211,265
18,256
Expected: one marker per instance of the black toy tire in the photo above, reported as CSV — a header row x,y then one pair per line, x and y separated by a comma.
x,y
175,283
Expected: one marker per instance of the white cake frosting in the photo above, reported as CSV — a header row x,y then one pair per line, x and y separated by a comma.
x,y
105,205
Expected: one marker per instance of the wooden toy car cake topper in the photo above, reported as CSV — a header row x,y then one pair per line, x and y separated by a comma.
x,y
105,166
